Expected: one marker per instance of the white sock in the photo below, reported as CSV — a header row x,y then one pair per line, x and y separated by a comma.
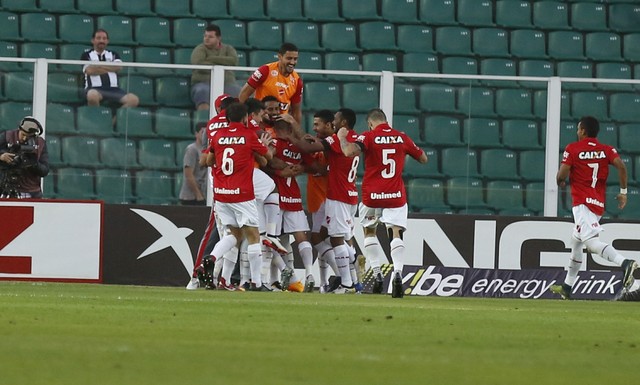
x,y
225,244
277,265
374,253
323,267
255,263
267,257
306,253
342,260
272,213
229,260
397,254
594,245
330,257
286,242
245,270
352,263
575,261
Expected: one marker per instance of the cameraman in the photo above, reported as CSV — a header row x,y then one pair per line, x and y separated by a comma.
x,y
24,160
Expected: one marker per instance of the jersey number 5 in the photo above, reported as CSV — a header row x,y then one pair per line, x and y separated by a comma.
x,y
389,172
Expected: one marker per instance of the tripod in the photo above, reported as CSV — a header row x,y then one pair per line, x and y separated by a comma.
x,y
9,185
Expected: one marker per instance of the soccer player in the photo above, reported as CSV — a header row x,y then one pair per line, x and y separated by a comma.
x,y
586,164
232,152
384,199
278,79
342,195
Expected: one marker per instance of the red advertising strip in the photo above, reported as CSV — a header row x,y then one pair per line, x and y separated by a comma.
x,y
15,265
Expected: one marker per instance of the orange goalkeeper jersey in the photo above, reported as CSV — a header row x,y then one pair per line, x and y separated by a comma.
x,y
267,80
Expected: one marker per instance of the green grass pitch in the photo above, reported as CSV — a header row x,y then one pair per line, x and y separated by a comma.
x,y
99,334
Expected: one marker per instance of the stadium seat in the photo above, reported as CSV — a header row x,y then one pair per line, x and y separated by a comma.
x,y
183,56
437,98
321,95
134,8
537,68
420,62
534,197
54,148
339,37
134,122
379,62
551,15
247,9
589,103
72,52
630,138
155,55
12,113
359,10
142,86
499,163
528,44
505,195
475,211
153,31
481,133
46,30
399,11
631,47
264,34
442,131
95,120
636,167
80,151
490,42
377,36
210,10
114,186
21,86
118,153
126,55
172,8
459,161
568,134
458,65
305,35
75,29
514,103
437,12
343,61
588,16
520,134
311,61
425,193
173,91
20,5
63,88
575,69
624,107
464,192
285,10
96,7
566,45
120,28
61,119
632,209
601,46
260,57
451,40
188,32
404,99
322,10
154,186
234,32
173,123
414,38
624,17
609,134
39,50
157,154
531,165
9,26
613,70
476,101
360,97
75,183
513,14
475,13
498,67
410,125
9,49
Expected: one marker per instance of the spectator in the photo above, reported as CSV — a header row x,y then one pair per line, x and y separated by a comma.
x,y
194,182
278,79
211,52
101,82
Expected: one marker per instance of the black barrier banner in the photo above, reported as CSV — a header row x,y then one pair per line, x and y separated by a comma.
x,y
493,283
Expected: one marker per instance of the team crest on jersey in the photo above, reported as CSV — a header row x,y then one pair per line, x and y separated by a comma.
x,y
274,73
225,141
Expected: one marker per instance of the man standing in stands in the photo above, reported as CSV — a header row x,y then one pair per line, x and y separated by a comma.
x,y
278,79
100,81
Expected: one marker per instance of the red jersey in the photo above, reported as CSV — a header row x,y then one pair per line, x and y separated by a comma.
x,y
215,123
267,80
290,197
384,150
233,172
589,161
342,170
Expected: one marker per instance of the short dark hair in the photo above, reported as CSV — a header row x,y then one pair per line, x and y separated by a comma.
x,y
236,112
213,28
269,98
349,115
226,102
287,47
281,125
200,125
254,105
377,114
324,115
100,30
590,125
